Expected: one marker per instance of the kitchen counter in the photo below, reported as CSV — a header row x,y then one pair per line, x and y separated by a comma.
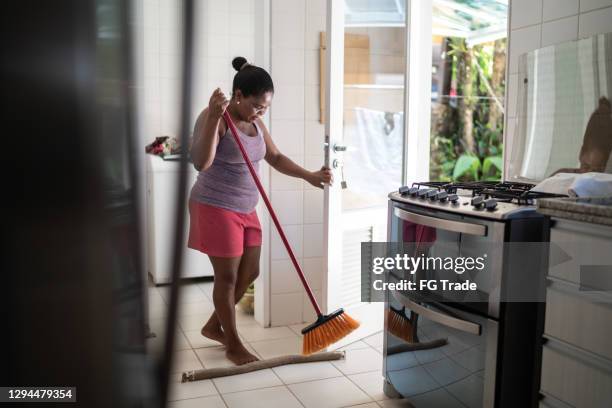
x,y
595,210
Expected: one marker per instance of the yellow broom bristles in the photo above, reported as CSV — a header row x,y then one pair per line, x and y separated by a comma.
x,y
400,326
328,333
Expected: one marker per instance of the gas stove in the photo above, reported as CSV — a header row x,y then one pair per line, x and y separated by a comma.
x,y
485,199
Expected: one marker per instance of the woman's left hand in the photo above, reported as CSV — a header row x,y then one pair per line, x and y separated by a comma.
x,y
320,177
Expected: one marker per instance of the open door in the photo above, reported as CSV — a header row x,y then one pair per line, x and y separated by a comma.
x,y
364,78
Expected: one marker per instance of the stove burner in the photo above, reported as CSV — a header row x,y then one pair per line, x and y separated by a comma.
x,y
485,194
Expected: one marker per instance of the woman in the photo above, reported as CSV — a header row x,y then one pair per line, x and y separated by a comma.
x,y
223,221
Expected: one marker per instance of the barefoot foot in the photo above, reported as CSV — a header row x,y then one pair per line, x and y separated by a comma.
x,y
240,355
213,333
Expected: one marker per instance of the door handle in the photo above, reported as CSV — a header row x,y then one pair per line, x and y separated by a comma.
x,y
339,148
442,318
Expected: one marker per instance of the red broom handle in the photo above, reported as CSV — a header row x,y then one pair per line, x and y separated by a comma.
x,y
231,125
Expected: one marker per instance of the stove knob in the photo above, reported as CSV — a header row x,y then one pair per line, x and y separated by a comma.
x,y
431,194
413,191
453,198
422,193
442,196
404,190
478,202
490,204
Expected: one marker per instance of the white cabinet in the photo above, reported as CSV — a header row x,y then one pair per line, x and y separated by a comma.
x,y
577,357
162,181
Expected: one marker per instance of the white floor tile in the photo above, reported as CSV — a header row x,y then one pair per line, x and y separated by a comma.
x,y
296,373
208,402
277,397
368,405
156,344
195,389
355,346
243,319
258,333
278,347
188,293
158,311
193,322
249,381
198,341
196,308
329,393
297,328
371,383
185,360
376,341
213,357
359,361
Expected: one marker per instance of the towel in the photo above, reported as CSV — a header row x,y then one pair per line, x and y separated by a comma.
x,y
558,184
591,184
577,184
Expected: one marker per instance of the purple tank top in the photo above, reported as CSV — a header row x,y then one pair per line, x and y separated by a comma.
x,y
227,183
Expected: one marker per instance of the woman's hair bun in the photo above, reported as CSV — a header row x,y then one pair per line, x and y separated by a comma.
x,y
238,63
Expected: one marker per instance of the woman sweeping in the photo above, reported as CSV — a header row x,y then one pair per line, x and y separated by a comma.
x,y
223,221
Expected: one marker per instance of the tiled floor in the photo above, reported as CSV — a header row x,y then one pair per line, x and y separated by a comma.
x,y
354,382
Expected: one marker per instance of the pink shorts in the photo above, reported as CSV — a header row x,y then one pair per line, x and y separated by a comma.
x,y
220,232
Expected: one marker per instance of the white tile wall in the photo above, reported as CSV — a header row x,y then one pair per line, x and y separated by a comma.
x,y
525,13
595,22
313,269
288,205
288,102
313,240
308,314
313,206
287,28
559,21
283,276
314,134
289,136
523,40
295,129
512,88
558,31
315,23
294,236
554,9
587,5
286,308
281,182
288,66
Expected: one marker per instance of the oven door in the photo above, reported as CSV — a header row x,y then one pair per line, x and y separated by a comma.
x,y
440,235
450,360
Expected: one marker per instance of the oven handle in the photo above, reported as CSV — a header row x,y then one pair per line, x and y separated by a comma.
x,y
448,225
445,319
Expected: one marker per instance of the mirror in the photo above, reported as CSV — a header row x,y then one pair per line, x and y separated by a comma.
x,y
564,110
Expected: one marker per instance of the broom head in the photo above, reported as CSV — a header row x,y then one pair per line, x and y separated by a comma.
x,y
327,330
399,325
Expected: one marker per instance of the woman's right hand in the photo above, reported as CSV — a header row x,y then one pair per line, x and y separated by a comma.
x,y
217,104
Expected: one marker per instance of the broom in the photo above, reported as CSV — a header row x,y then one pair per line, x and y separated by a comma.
x,y
327,329
399,324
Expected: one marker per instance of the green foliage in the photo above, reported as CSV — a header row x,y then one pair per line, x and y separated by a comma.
x,y
449,159
467,165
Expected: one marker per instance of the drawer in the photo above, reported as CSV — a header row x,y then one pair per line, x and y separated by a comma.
x,y
580,318
584,244
576,378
